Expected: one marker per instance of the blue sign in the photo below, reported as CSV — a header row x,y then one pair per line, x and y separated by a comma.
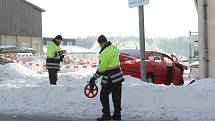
x,y
136,3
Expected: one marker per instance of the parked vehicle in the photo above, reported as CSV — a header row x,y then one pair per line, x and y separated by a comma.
x,y
14,49
8,49
160,68
27,50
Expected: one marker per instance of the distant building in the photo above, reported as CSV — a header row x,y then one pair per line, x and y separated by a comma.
x,y
66,41
20,24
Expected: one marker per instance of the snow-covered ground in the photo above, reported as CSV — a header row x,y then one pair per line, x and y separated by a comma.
x,y
24,91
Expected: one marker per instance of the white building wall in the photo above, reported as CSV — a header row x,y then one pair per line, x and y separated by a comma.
x,y
201,39
211,38
22,41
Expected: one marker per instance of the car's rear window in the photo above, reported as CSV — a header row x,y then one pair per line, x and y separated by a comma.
x,y
131,52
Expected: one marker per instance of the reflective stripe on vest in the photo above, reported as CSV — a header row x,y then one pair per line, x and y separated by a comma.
x,y
115,75
97,75
117,80
105,77
113,81
52,67
54,58
104,81
52,64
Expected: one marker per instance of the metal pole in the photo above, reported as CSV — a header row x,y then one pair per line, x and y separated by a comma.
x,y
142,43
190,49
190,53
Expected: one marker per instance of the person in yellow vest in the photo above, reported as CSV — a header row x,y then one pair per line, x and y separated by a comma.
x,y
112,78
54,56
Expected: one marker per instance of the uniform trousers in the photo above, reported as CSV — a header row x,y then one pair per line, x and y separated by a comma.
x,y
115,89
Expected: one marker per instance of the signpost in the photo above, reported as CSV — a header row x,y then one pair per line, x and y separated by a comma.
x,y
139,4
136,3
193,37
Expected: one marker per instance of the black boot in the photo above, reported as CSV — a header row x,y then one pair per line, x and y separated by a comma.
x,y
116,116
104,117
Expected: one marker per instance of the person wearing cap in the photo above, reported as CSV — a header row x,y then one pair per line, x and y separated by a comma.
x,y
112,78
54,56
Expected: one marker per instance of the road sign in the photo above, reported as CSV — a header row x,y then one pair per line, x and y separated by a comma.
x,y
193,38
135,3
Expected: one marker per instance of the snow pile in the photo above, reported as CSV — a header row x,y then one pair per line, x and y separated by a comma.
x,y
14,71
27,92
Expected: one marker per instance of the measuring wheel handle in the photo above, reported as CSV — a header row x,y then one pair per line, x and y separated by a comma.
x,y
90,93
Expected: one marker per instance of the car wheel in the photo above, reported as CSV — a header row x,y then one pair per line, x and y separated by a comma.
x,y
150,77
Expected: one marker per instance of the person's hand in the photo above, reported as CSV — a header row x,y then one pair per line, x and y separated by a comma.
x,y
61,58
92,82
64,52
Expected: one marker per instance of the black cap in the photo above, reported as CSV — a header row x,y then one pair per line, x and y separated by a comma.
x,y
102,39
59,37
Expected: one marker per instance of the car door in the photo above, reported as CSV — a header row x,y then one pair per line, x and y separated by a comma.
x,y
157,66
170,69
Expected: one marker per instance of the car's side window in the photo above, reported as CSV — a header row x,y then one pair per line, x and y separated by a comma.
x,y
151,57
166,58
157,58
168,61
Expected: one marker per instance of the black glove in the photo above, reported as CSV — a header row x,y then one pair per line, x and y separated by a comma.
x,y
92,82
58,53
61,58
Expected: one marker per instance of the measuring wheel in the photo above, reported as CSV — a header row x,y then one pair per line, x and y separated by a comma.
x,y
90,93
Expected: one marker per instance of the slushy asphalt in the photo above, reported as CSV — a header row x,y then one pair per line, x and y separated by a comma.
x,y
7,117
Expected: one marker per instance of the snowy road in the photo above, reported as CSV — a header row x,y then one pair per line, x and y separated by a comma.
x,y
39,118
6,117
29,118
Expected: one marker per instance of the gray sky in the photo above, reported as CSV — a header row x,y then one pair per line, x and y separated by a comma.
x,y
80,18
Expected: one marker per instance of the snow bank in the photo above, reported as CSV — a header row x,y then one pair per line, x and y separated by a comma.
x,y
27,92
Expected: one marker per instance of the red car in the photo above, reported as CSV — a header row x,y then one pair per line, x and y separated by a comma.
x,y
160,68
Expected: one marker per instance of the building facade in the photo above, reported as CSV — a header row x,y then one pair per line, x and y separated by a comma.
x,y
206,28
21,24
